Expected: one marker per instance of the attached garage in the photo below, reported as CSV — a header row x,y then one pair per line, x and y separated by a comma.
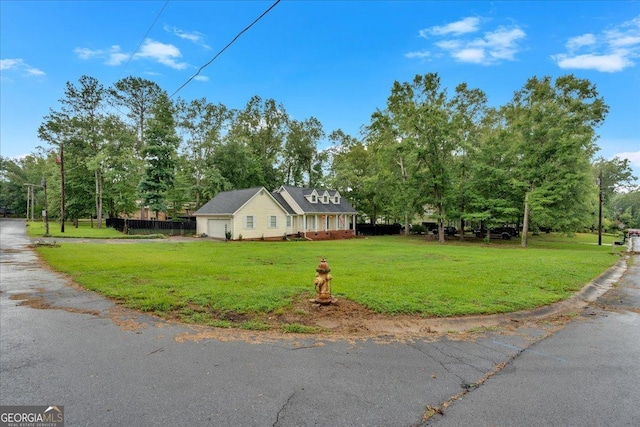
x,y
218,227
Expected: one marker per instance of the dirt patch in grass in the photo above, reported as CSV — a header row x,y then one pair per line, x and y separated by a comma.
x,y
348,320
304,319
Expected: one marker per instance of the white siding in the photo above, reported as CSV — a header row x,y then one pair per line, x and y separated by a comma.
x,y
261,207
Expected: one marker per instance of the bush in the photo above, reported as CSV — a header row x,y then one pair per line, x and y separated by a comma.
x,y
418,229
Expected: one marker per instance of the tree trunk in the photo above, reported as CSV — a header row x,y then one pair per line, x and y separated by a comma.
x,y
441,213
525,221
406,224
98,177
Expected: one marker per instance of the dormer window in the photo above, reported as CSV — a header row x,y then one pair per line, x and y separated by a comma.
x,y
325,199
336,199
314,199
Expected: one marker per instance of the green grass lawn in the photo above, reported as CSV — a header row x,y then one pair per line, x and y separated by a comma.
x,y
85,230
199,280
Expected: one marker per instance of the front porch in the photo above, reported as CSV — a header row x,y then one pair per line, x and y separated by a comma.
x,y
325,227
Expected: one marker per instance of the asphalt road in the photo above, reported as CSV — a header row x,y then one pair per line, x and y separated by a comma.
x,y
60,345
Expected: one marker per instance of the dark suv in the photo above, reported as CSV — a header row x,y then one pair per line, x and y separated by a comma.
x,y
504,233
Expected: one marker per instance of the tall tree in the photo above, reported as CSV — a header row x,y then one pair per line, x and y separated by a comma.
x,y
160,153
14,184
626,206
261,127
490,196
138,96
83,104
398,168
300,153
421,114
354,173
554,125
469,109
121,166
611,176
204,125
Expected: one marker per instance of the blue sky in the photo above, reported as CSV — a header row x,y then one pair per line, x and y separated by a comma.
x,y
334,60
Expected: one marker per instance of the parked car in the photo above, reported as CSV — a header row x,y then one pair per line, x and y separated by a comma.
x,y
504,233
450,231
432,227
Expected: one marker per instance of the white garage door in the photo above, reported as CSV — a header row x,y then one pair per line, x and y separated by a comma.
x,y
216,227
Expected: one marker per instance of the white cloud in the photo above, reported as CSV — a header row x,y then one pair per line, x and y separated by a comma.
x,y
474,56
492,47
18,64
112,56
418,54
464,26
193,36
165,54
580,41
449,44
201,78
86,53
116,57
503,43
604,63
610,51
632,156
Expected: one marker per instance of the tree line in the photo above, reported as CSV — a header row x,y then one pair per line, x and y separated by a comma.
x,y
530,162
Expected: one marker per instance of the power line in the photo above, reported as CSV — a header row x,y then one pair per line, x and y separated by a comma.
x,y
143,38
225,48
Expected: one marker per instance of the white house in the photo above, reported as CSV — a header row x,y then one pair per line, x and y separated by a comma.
x,y
255,213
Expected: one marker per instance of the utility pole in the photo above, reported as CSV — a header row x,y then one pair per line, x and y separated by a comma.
x,y
31,199
600,208
46,209
61,161
28,199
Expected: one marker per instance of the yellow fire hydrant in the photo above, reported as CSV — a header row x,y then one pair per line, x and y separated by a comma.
x,y
322,283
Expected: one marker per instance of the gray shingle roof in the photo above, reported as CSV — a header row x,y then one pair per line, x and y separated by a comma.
x,y
283,203
298,194
228,202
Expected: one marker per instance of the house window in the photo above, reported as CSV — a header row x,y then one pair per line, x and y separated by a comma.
x,y
249,222
273,221
313,198
336,200
288,221
326,199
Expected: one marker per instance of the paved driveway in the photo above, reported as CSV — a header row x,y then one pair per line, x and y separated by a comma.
x,y
60,345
